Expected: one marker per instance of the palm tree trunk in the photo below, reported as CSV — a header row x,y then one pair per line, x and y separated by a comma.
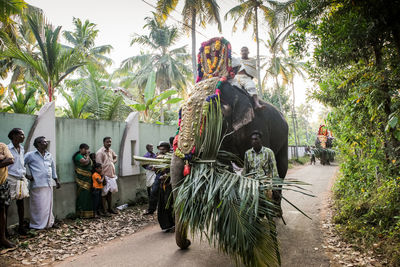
x,y
294,123
279,93
258,53
50,90
194,44
306,122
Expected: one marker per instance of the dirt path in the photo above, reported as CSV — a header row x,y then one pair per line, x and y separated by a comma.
x,y
301,239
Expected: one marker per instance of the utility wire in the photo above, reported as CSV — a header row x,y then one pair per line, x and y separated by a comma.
x,y
172,17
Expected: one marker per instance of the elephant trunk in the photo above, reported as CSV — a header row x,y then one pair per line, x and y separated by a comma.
x,y
176,172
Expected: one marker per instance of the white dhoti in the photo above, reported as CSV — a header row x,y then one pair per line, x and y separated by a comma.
x,y
247,83
41,207
18,187
150,177
110,186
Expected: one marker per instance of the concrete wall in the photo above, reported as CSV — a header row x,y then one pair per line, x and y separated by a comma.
x,y
73,132
12,120
292,151
153,134
129,138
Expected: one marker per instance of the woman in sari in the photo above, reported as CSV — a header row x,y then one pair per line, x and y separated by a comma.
x,y
83,172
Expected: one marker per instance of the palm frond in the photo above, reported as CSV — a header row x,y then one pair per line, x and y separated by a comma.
x,y
233,212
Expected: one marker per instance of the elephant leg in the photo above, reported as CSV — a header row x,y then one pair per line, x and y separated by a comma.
x,y
282,166
176,171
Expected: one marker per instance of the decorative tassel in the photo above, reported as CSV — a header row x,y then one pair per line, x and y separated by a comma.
x,y
186,169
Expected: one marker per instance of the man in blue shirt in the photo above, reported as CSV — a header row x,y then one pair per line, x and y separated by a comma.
x,y
16,175
43,175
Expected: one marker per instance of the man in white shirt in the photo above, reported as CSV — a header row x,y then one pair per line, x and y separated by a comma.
x,y
244,77
107,158
42,169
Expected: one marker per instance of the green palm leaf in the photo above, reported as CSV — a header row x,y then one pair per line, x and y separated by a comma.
x,y
231,211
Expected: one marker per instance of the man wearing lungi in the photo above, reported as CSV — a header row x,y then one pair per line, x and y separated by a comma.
x,y
16,175
107,158
245,75
42,172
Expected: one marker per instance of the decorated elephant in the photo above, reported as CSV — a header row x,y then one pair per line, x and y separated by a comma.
x,y
323,144
239,121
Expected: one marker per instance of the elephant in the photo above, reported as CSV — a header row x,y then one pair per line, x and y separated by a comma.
x,y
240,120
327,155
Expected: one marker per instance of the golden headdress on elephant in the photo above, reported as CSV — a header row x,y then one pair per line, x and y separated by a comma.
x,y
214,63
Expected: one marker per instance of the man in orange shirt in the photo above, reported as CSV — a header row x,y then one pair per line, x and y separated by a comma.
x,y
107,158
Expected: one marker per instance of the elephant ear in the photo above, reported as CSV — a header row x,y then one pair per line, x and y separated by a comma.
x,y
241,104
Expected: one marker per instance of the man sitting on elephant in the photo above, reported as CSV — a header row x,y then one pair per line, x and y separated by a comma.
x,y
246,70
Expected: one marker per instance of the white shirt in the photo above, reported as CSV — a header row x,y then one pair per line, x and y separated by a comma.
x,y
18,168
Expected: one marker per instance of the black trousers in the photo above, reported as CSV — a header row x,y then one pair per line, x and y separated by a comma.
x,y
96,198
165,213
154,194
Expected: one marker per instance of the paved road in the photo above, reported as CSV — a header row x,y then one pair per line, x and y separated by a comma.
x,y
301,239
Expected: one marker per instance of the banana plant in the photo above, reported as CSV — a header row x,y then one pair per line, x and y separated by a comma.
x,y
152,104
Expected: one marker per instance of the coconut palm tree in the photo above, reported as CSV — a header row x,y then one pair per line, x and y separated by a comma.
x,y
75,108
83,39
95,96
166,64
247,11
53,64
22,37
169,64
200,11
8,10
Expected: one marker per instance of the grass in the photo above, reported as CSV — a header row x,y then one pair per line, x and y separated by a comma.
x,y
300,161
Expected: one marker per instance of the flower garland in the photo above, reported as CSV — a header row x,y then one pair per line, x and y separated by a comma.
x,y
213,72
215,66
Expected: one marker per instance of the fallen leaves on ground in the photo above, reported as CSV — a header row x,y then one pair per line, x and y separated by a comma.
x,y
342,253
75,237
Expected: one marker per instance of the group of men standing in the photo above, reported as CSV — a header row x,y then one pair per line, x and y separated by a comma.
x,y
15,168
38,166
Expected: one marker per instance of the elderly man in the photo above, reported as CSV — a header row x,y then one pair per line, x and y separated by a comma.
x,y
107,158
6,159
42,172
16,175
245,74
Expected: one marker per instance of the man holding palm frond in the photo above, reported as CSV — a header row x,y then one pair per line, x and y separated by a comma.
x,y
260,161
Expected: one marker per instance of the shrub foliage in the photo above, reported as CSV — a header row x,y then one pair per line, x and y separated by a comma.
x,y
355,62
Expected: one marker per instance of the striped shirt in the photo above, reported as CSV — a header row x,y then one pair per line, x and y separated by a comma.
x,y
262,163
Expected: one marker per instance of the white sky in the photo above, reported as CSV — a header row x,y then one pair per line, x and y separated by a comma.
x,y
118,20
